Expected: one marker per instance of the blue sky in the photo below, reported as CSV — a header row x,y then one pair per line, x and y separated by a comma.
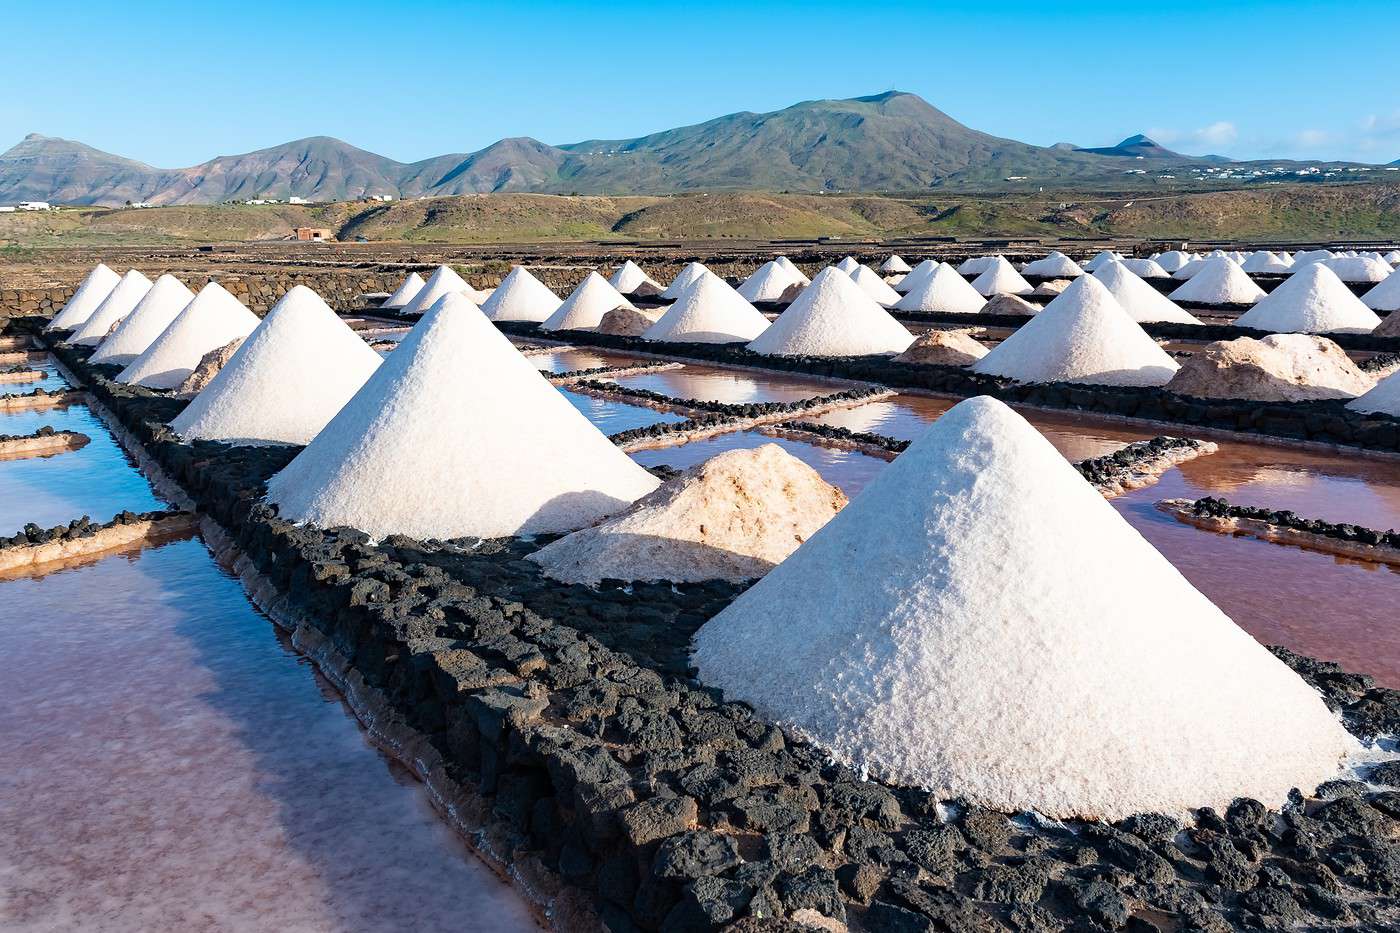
x,y
174,84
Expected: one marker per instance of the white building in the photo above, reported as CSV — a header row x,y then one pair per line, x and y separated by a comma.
x,y
35,206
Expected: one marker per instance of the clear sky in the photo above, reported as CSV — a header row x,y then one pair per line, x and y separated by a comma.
x,y
173,84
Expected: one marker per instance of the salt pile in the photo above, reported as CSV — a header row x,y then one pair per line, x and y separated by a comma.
x,y
709,311
520,297
1313,301
977,265
208,322
1384,399
768,282
894,264
1392,257
443,281
290,377
628,322
981,623
161,305
1191,267
917,277
90,293
1278,368
691,272
833,317
1104,256
1056,265
1144,268
457,435
1265,262
405,293
1360,269
1173,260
1385,296
848,265
629,277
1219,281
127,294
943,348
733,517
943,291
791,266
1309,256
1000,278
870,282
1083,336
1142,302
586,305
1013,305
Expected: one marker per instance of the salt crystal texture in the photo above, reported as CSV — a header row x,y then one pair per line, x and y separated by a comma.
x,y
1219,281
444,280
457,435
895,264
1385,296
687,275
709,311
768,282
733,517
979,622
1173,260
791,266
848,265
208,322
870,282
287,380
833,317
1142,302
1383,399
161,305
408,290
1001,278
1278,368
917,276
586,305
520,297
1360,269
942,291
118,304
629,277
1084,336
1313,301
90,293
1056,265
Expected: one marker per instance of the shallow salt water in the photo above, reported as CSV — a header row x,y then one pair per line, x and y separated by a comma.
x,y
731,386
567,361
51,382
610,416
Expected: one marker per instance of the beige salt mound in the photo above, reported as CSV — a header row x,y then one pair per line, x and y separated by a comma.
x,y
733,517
628,322
943,348
1051,288
1011,304
1278,368
209,366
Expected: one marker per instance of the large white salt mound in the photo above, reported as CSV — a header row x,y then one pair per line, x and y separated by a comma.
x,y
161,304
408,289
894,264
870,282
1104,256
118,304
1385,296
791,266
1085,336
917,276
443,280
768,282
848,265
1383,399
976,265
709,311
90,293
629,277
1265,262
1055,266
1219,281
520,297
586,305
943,291
981,623
1000,278
211,320
488,447
1309,256
1142,302
1313,301
290,377
833,317
1143,268
1392,257
688,274
1361,269
1173,260
1189,269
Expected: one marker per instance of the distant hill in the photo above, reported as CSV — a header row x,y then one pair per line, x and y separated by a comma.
x,y
892,142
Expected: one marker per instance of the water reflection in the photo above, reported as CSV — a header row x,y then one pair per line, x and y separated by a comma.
x,y
733,387
610,417
52,381
567,361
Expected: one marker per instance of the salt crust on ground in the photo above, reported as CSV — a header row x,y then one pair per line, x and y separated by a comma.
x,y
944,291
943,348
833,317
520,297
916,277
733,517
117,305
1313,301
1383,399
791,266
870,282
492,448
768,282
408,289
628,278
586,305
290,377
1001,278
1142,302
981,623
1385,296
1278,368
681,282
709,311
443,281
208,322
1084,335
1056,264
91,291
894,264
161,305
1219,281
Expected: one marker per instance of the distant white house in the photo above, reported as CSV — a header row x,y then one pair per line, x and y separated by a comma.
x,y
35,206
296,200
7,209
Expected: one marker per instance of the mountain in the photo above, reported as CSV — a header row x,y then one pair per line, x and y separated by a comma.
x,y
1136,147
43,168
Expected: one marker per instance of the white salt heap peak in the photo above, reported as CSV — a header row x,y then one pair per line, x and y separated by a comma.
x,y
1055,266
1383,399
979,622
211,320
1189,269
976,265
1173,260
1084,336
629,277
1264,262
768,282
90,293
1392,257
848,265
1309,256
943,291
691,272
443,280
1142,302
917,276
870,282
586,305
520,297
290,377
894,264
1143,268
733,517
492,449
161,305
408,290
1104,256
1219,281
127,294
1385,296
709,311
1313,301
791,266
1000,278
1362,269
833,317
